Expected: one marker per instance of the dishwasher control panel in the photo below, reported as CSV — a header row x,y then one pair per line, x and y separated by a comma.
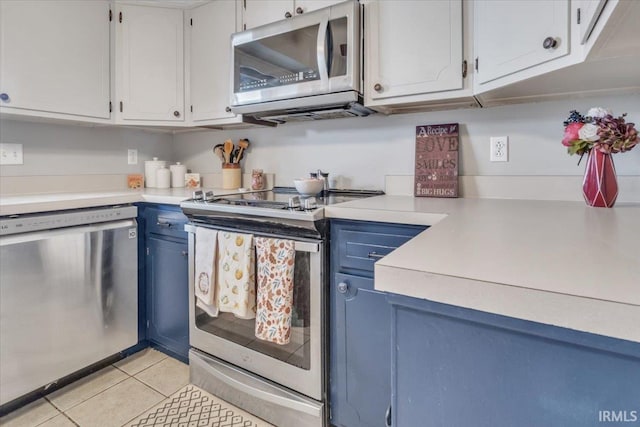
x,y
16,224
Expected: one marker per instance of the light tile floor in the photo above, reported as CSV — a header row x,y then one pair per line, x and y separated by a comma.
x,y
140,390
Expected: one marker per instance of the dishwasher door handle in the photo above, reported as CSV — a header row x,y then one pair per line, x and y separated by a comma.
x,y
39,235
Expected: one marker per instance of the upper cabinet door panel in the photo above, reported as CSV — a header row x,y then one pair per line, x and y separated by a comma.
x,y
415,47
55,56
514,35
260,12
211,32
152,63
589,14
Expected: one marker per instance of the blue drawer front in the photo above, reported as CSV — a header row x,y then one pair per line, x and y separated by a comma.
x,y
360,245
167,221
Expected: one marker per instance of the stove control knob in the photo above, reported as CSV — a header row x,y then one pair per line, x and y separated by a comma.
x,y
310,203
208,196
197,195
294,202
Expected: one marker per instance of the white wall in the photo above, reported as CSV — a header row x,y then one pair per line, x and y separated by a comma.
x,y
68,149
361,151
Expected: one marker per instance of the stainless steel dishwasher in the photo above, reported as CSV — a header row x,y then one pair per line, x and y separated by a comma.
x,y
68,293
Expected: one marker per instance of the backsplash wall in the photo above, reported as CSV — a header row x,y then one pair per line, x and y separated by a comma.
x,y
359,152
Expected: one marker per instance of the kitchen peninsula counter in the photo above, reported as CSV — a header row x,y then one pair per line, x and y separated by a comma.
x,y
553,262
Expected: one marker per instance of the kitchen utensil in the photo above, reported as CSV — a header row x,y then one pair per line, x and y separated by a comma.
x,y
177,174
243,144
228,149
231,176
150,168
218,150
308,186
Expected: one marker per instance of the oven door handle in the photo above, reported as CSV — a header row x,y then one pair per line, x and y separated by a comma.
x,y
300,246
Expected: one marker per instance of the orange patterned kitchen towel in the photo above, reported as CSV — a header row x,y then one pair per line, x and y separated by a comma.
x,y
276,264
236,279
206,243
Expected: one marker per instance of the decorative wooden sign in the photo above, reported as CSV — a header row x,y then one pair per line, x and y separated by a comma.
x,y
436,161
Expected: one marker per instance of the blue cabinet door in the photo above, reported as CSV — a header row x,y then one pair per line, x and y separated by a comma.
x,y
360,353
167,294
459,367
360,322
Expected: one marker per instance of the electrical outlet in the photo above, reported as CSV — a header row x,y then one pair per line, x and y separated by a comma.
x,y
499,149
11,154
132,156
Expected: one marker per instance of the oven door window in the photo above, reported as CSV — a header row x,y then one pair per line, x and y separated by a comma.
x,y
242,332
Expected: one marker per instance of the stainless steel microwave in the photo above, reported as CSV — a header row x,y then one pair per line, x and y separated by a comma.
x,y
307,67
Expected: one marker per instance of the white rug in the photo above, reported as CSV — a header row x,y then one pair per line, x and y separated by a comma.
x,y
194,407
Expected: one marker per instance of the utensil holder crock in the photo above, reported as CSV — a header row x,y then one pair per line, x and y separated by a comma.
x,y
231,176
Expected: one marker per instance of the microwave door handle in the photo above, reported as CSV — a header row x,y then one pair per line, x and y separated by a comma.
x,y
321,48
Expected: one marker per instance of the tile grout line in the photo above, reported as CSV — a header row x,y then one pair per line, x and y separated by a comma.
x,y
155,404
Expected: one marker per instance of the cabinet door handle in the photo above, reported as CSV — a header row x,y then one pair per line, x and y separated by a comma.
x,y
4,96
288,15
163,224
185,253
377,87
299,10
228,109
376,255
176,113
549,43
343,287
387,417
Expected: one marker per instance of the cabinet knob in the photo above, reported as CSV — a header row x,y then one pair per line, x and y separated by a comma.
x,y
228,109
299,10
176,113
343,287
4,96
377,87
288,15
387,417
185,253
549,43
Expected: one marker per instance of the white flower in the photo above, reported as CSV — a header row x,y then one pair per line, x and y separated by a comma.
x,y
598,112
589,132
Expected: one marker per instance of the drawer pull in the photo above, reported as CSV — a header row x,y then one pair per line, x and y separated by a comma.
x,y
163,224
185,253
376,255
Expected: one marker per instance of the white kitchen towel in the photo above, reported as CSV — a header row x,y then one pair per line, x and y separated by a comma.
x,y
206,244
276,266
236,285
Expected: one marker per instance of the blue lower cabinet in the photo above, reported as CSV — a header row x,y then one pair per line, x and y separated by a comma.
x,y
167,295
458,367
166,275
360,382
360,322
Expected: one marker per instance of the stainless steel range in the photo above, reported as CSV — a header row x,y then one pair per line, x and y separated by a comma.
x,y
283,384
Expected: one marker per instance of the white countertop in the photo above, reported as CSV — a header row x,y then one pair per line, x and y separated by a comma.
x,y
12,205
560,263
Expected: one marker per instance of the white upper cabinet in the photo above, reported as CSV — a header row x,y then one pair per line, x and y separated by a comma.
x,y
260,12
412,49
54,58
150,64
589,11
511,36
210,68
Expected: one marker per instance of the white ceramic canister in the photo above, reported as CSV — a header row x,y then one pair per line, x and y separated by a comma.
x,y
150,168
163,178
177,175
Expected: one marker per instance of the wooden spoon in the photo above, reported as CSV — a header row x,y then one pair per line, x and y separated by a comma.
x,y
228,149
243,144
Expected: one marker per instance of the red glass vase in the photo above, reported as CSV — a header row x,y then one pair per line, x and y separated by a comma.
x,y
600,184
